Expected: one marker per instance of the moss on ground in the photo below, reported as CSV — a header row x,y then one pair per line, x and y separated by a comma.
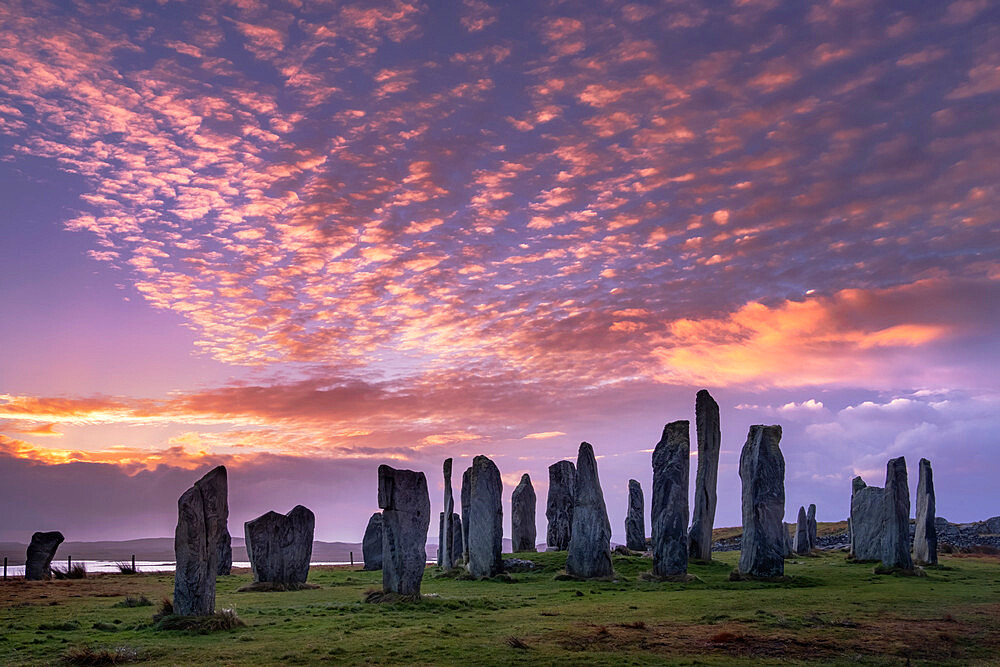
x,y
827,611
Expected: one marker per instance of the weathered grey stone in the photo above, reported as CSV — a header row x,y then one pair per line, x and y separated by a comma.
x,y
446,558
279,546
41,551
456,537
466,503
202,514
522,516
225,552
896,517
801,543
371,545
669,513
925,536
811,525
559,505
866,520
590,538
485,519
762,471
406,516
707,424
789,545
635,519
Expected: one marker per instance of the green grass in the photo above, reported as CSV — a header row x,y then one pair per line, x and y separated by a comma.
x,y
828,611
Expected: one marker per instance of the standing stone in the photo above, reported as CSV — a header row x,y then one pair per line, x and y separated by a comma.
x,y
762,471
896,517
225,552
457,540
466,503
811,524
485,519
522,516
635,520
590,537
371,545
669,515
41,551
279,546
801,543
706,414
202,514
446,558
559,505
866,520
789,546
406,516
925,537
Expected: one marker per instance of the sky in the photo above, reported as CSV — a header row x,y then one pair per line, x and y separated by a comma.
x,y
303,238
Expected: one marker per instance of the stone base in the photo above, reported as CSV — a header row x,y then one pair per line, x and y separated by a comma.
x,y
566,576
274,587
381,597
674,578
900,571
736,575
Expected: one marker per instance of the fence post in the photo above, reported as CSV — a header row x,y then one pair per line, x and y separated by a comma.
x,y
352,558
5,568
134,571
69,564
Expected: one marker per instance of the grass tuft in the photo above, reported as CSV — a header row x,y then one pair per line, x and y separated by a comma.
x,y
220,620
377,596
85,655
135,601
274,587
78,571
125,567
516,642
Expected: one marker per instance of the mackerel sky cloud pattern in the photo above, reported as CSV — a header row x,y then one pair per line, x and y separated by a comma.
x,y
411,229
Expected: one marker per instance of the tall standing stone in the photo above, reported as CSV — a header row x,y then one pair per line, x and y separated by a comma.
x,y
866,520
590,538
457,541
669,514
789,546
811,524
406,516
559,505
466,503
762,471
635,520
225,547
279,546
925,536
896,517
707,423
41,551
485,519
446,558
371,545
522,516
801,543
202,515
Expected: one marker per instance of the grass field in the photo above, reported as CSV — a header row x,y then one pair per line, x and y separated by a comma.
x,y
831,611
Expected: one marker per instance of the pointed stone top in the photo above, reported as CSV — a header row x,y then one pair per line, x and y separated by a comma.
x,y
802,514
447,467
563,464
525,479
925,462
703,397
857,484
633,482
213,473
682,425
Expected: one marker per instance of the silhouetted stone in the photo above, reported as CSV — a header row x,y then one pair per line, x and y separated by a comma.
x,y
801,543
635,519
866,520
925,536
669,514
202,515
225,552
707,423
522,516
466,502
406,516
446,558
559,505
456,537
896,517
789,546
811,525
371,545
279,546
762,471
485,519
590,539
41,551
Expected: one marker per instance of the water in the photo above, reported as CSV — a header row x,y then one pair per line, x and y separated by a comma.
x,y
110,566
